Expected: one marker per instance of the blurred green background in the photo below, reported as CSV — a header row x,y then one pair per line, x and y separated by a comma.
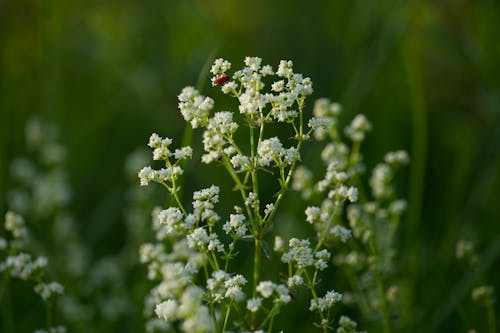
x,y
426,73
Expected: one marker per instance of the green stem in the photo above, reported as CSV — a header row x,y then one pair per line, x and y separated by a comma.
x,y
237,181
226,318
315,297
385,311
256,266
5,283
48,313
491,318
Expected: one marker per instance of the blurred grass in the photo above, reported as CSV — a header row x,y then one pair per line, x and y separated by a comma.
x,y
427,73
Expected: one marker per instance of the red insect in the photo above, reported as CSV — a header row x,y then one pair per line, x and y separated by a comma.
x,y
220,80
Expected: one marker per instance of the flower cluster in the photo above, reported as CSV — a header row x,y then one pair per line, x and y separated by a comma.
x,y
166,176
15,263
191,263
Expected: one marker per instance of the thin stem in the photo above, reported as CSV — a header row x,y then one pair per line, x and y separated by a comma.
x,y
381,290
5,283
48,314
237,181
491,318
226,318
315,297
256,266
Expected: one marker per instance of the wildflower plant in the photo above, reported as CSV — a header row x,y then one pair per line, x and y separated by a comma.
x,y
16,263
195,290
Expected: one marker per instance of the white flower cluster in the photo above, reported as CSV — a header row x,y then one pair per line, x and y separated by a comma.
x,y
383,173
48,290
484,294
203,206
168,175
271,150
194,107
341,233
235,226
302,255
358,128
222,286
20,265
325,119
347,325
189,308
14,223
54,329
326,302
195,291
281,293
23,267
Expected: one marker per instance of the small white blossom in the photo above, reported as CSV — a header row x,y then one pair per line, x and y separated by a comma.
x,y
15,224
253,63
48,290
167,310
270,150
299,253
253,304
295,281
236,225
278,86
326,302
269,209
358,128
340,232
252,200
266,288
285,68
312,214
220,66
183,153
399,157
194,107
229,87
279,244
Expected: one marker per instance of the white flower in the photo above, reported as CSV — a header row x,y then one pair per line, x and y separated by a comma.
x,y
253,304
285,68
252,201
198,238
48,290
340,232
146,175
358,128
278,244
183,153
220,66
278,86
266,288
167,310
326,302
222,122
380,181
269,150
240,162
15,224
295,281
319,123
229,87
299,253
253,63
399,157
312,214
236,225
269,209
194,107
